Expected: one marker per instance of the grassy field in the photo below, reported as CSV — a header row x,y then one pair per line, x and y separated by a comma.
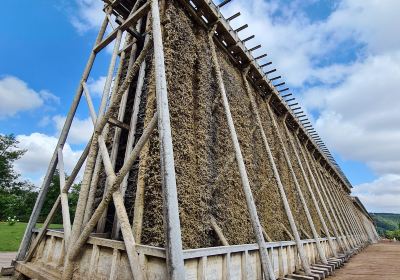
x,y
10,236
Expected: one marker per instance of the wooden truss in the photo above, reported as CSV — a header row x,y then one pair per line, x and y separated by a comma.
x,y
349,228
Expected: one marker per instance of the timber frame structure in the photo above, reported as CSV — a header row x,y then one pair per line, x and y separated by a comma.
x,y
79,253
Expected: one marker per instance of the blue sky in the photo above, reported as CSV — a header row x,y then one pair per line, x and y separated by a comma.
x,y
338,57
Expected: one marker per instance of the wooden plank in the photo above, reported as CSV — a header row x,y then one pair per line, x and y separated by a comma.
x,y
114,264
94,260
43,230
226,269
202,269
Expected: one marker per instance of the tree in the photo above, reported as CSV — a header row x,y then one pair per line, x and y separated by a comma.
x,y
17,196
9,153
51,197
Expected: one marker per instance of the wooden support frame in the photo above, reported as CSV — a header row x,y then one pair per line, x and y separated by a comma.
x,y
101,121
296,183
352,221
97,153
218,231
172,228
64,199
276,173
346,218
265,260
336,227
295,232
61,141
339,214
309,187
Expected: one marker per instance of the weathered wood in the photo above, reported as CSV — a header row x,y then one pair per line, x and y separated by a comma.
x,y
114,264
255,222
64,199
94,260
314,200
336,208
336,227
266,236
132,19
298,188
288,233
53,162
81,205
114,184
219,232
172,227
77,167
43,230
304,261
139,196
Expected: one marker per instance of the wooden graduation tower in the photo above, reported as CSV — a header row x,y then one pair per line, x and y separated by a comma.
x,y
199,167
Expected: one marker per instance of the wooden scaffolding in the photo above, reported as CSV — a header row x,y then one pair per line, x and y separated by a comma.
x,y
76,252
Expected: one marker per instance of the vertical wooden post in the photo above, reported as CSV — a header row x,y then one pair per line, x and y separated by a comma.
x,y
64,200
297,185
299,244
330,242
255,222
341,239
337,208
335,211
345,215
171,211
352,219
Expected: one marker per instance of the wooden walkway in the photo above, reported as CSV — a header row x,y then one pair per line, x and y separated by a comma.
x,y
378,261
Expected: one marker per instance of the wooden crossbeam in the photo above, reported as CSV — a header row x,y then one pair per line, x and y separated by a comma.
x,y
125,25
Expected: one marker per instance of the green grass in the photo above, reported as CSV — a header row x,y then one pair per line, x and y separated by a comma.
x,y
10,236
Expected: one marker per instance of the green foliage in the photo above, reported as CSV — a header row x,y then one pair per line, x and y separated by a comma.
x,y
17,197
9,153
390,234
12,220
387,224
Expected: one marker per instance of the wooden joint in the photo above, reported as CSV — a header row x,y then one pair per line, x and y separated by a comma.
x,y
118,123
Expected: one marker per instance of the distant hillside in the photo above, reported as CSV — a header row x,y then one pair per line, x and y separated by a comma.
x,y
386,221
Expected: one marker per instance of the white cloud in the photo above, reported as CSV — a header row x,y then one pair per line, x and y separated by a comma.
x,y
298,46
96,86
346,67
87,15
80,132
381,195
359,117
16,96
40,147
372,22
